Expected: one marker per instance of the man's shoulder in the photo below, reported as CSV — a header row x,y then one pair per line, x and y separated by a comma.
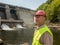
x,y
46,34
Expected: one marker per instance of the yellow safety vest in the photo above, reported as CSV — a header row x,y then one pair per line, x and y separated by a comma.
x,y
38,33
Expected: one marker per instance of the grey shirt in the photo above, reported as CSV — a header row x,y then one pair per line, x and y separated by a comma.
x,y
46,38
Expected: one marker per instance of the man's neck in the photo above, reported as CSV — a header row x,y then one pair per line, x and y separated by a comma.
x,y
40,26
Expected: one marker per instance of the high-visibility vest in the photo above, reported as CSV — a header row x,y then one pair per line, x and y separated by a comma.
x,y
38,33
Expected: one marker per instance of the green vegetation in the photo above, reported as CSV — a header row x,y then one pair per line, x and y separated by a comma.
x,y
52,8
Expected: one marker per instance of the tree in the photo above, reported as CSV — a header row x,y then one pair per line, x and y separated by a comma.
x,y
52,8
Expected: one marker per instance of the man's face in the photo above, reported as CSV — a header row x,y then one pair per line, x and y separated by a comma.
x,y
39,19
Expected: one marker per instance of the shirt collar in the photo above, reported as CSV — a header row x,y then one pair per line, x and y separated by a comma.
x,y
40,26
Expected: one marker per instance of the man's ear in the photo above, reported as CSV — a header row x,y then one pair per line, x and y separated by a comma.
x,y
45,18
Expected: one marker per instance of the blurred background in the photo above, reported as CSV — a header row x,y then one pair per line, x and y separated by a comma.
x,y
17,20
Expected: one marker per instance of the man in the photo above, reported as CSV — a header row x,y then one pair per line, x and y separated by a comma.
x,y
42,35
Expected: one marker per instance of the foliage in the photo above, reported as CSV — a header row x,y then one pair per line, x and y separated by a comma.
x,y
52,9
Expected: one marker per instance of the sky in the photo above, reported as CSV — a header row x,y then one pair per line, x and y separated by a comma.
x,y
30,4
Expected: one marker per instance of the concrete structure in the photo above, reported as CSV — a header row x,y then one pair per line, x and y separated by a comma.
x,y
11,16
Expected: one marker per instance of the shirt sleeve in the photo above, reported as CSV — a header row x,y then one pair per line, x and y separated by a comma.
x,y
46,39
